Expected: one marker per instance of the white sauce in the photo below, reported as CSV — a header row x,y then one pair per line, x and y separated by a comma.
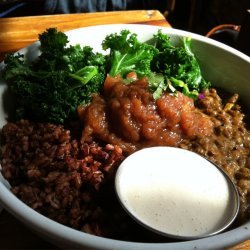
x,y
177,194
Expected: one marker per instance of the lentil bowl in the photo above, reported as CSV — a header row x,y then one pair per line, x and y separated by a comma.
x,y
224,67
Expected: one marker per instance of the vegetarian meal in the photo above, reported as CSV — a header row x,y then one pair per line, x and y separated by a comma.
x,y
79,113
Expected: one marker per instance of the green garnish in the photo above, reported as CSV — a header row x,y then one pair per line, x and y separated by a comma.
x,y
128,54
179,65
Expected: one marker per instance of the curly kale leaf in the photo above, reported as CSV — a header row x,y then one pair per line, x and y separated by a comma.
x,y
179,65
127,54
62,78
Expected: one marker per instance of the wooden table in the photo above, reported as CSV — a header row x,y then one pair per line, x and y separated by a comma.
x,y
16,33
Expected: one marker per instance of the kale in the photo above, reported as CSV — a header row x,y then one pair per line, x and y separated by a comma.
x,y
178,65
157,84
167,67
63,77
128,54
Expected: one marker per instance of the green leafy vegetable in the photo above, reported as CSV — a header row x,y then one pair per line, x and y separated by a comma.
x,y
179,65
84,75
63,77
128,54
157,84
167,67
50,88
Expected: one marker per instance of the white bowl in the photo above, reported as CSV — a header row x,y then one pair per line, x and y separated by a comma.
x,y
222,65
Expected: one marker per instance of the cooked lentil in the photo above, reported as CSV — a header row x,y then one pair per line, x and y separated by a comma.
x,y
229,144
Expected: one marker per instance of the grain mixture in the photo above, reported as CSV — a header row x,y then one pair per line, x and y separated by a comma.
x,y
71,180
56,175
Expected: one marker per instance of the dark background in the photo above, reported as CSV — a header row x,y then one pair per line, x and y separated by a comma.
x,y
198,16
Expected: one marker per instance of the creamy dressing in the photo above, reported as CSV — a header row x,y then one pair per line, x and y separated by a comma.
x,y
176,194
